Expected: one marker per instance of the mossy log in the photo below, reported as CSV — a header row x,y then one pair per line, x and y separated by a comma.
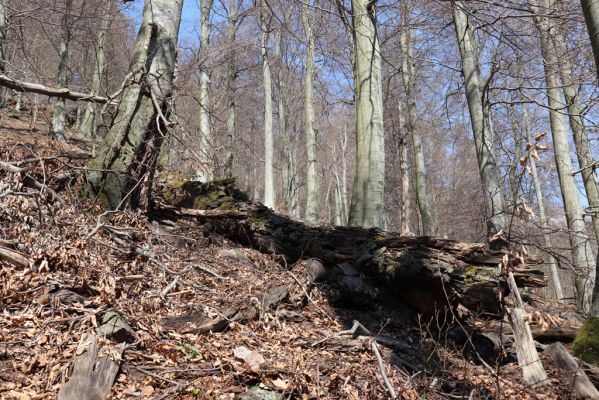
x,y
424,271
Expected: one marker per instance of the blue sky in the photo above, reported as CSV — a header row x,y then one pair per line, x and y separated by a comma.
x,y
189,21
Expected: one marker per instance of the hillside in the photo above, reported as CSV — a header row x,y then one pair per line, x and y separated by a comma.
x,y
201,319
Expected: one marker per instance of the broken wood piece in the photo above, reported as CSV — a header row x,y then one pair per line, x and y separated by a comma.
x,y
209,271
114,326
582,387
93,374
528,357
63,93
14,257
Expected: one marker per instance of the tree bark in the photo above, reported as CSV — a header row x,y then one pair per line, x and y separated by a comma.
x,y
590,9
312,202
269,190
60,106
575,115
88,124
408,74
426,272
367,201
130,150
284,145
483,138
205,173
231,78
404,201
582,254
3,29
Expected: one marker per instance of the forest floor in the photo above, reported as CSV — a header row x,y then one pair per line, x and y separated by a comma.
x,y
81,266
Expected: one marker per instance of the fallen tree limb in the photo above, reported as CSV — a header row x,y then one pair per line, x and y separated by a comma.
x,y
582,387
13,257
425,272
31,182
63,93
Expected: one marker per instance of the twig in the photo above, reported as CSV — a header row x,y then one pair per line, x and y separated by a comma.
x,y
379,359
30,181
153,375
209,271
169,287
357,325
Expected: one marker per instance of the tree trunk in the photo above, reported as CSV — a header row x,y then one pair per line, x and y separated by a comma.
x,y
590,9
556,284
286,189
205,173
404,201
60,105
269,189
231,78
408,75
367,202
312,169
130,150
483,138
575,115
424,271
3,29
88,125
582,254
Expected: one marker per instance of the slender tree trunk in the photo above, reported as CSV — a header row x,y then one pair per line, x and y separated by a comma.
x,y
130,150
205,173
590,9
552,263
231,78
283,134
582,253
408,74
483,138
312,170
88,124
404,197
3,28
581,138
269,189
60,105
367,202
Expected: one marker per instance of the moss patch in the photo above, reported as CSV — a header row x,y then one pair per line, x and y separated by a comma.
x,y
586,344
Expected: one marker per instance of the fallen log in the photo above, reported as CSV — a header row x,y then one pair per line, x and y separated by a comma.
x,y
63,93
425,272
582,387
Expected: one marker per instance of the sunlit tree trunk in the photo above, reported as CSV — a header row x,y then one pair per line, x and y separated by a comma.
x,y
575,111
130,150
284,151
3,28
60,105
404,177
590,9
88,124
269,190
407,73
582,253
552,263
206,169
312,169
231,78
367,202
483,138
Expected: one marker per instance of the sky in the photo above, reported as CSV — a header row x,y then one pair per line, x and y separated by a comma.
x,y
189,20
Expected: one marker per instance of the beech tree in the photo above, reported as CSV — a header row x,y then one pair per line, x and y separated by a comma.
x,y
128,155
205,173
59,106
367,201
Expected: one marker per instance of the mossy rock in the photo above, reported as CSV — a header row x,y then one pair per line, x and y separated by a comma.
x,y
586,344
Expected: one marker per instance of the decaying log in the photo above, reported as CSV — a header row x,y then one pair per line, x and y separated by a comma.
x,y
582,387
93,374
426,272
